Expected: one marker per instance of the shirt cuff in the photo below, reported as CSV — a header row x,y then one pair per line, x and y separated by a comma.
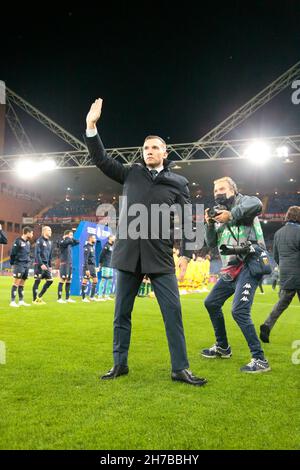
x,y
91,132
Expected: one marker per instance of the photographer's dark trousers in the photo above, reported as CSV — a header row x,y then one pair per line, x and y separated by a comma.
x,y
285,298
166,291
243,288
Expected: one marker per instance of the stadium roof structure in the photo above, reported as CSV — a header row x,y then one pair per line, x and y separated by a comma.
x,y
201,161
281,175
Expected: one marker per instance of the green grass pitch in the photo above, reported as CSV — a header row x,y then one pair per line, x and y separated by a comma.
x,y
51,397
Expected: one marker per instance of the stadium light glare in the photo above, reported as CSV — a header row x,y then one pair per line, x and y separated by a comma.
x,y
27,169
30,169
282,152
258,153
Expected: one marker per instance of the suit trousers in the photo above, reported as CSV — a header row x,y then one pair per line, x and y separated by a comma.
x,y
286,296
166,291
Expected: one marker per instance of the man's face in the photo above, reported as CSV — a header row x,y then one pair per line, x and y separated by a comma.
x,y
70,235
154,153
47,232
223,187
93,239
29,235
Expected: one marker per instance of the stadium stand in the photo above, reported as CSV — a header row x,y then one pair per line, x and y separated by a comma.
x,y
281,203
73,208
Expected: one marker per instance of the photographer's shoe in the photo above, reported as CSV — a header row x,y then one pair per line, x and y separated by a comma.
x,y
256,366
264,333
217,352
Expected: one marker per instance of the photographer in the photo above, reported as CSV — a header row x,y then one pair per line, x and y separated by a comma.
x,y
233,227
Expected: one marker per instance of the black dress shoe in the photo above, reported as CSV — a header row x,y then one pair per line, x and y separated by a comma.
x,y
115,372
186,376
264,333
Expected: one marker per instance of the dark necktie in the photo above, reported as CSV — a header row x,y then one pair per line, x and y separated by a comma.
x,y
153,173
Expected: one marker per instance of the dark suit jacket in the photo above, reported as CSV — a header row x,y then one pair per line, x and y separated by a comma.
x,y
3,239
155,255
286,250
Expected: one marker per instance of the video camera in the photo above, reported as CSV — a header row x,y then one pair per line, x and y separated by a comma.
x,y
243,249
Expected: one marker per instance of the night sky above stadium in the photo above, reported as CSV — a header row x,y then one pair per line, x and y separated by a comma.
x,y
172,71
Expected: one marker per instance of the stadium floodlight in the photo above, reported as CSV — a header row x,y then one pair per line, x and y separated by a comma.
x,y
30,169
27,169
282,152
258,152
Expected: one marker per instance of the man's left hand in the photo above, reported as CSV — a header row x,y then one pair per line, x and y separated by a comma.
x,y
182,265
223,217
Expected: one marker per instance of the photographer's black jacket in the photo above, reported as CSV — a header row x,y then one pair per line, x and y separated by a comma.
x,y
155,255
286,250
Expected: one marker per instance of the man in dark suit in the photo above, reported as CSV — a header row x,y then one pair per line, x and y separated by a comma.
x,y
148,183
286,250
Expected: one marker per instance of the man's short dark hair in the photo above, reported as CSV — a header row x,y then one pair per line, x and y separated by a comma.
x,y
293,214
66,232
27,229
155,137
